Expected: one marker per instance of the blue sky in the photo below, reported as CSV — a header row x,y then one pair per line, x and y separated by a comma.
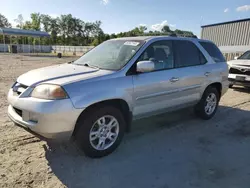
x,y
123,15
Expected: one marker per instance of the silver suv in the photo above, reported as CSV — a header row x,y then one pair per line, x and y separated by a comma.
x,y
95,98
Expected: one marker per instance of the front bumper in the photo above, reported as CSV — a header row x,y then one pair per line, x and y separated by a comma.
x,y
232,79
55,119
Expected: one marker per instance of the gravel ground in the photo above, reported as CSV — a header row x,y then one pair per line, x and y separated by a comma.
x,y
166,151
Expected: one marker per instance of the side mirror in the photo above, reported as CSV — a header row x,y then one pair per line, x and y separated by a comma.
x,y
145,66
235,57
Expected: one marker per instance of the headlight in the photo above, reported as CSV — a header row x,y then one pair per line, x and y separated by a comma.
x,y
49,91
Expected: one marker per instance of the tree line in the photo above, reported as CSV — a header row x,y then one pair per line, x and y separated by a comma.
x,y
69,30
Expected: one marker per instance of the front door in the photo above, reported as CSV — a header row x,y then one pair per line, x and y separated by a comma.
x,y
154,91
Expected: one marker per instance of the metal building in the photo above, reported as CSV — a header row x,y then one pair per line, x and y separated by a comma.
x,y
233,37
23,33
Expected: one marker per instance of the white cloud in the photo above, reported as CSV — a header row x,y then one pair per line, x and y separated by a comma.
x,y
243,8
143,25
159,26
172,25
54,15
104,2
226,10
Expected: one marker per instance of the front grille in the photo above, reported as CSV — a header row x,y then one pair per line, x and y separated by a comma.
x,y
18,111
237,71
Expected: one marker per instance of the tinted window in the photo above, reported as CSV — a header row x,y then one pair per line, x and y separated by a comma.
x,y
161,53
213,51
187,54
246,55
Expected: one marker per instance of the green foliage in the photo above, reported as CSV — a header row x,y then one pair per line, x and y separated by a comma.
x,y
69,30
143,29
95,42
166,29
4,21
27,25
36,21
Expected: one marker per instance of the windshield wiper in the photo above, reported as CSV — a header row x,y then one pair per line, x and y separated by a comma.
x,y
91,66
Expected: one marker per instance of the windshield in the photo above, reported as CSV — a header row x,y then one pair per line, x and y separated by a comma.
x,y
112,55
246,55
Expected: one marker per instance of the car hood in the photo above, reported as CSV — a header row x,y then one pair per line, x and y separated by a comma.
x,y
60,74
239,62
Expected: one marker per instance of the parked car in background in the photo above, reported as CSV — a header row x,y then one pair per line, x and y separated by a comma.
x,y
239,70
95,98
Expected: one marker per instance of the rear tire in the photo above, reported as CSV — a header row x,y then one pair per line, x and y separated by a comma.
x,y
208,104
230,86
93,132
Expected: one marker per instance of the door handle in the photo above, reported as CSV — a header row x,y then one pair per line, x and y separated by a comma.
x,y
207,73
174,79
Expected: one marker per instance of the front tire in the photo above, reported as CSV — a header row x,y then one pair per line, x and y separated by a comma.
x,y
100,131
208,104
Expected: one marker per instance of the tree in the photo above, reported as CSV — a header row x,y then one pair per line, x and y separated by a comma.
x,y
69,30
46,21
113,36
34,24
54,29
88,27
95,42
27,25
142,29
65,23
96,29
178,32
36,21
51,26
19,21
4,21
166,29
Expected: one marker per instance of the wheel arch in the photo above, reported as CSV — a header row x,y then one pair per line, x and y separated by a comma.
x,y
216,85
120,104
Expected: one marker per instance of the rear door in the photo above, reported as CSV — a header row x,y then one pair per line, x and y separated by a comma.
x,y
190,71
217,66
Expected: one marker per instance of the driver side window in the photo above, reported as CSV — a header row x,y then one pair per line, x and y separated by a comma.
x,y
161,53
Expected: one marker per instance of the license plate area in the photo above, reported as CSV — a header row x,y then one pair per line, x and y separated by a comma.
x,y
240,78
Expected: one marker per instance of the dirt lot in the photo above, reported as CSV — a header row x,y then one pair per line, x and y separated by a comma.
x,y
171,150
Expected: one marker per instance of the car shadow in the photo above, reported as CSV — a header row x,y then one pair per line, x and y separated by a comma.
x,y
241,89
168,150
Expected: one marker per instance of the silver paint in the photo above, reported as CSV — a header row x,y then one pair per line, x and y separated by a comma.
x,y
146,94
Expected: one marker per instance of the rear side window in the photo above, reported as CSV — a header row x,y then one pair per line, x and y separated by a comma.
x,y
187,54
213,51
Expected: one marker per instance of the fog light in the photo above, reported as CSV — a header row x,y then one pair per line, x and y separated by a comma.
x,y
33,117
